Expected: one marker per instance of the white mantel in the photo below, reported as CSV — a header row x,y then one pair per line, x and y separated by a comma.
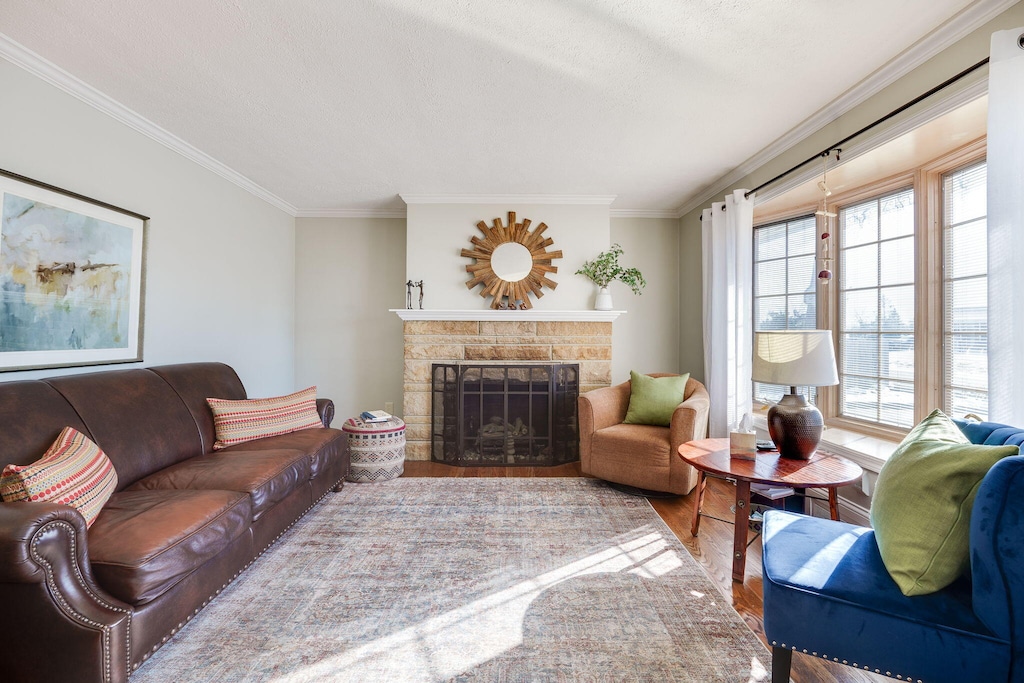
x,y
511,315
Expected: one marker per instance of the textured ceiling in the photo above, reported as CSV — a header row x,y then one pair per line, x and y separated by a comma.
x,y
344,104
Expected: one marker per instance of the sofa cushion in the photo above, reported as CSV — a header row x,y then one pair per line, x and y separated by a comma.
x,y
135,417
321,445
818,566
144,542
194,383
73,471
652,400
638,454
32,414
268,476
921,508
256,418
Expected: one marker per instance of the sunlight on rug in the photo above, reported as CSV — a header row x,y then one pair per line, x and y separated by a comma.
x,y
469,580
433,645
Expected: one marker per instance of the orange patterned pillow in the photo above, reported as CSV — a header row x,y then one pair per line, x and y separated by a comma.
x,y
254,418
73,471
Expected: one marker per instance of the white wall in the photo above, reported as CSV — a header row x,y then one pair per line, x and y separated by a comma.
x,y
220,278
646,338
350,345
348,273
437,234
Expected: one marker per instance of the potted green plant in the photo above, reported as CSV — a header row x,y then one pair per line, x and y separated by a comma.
x,y
604,270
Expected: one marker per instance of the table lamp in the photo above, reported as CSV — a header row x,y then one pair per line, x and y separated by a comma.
x,y
795,358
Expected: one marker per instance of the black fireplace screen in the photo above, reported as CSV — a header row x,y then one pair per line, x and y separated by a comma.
x,y
490,414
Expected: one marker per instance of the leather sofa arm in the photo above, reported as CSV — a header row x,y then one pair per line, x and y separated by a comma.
x,y
325,407
19,525
51,601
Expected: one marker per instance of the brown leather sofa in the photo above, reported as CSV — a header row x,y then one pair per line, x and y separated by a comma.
x,y
640,456
92,604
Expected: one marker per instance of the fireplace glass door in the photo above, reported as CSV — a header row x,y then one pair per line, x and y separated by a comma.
x,y
515,414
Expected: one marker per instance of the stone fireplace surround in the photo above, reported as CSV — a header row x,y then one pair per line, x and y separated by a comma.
x,y
583,337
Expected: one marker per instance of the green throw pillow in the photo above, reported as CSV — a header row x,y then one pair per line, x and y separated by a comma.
x,y
921,509
652,400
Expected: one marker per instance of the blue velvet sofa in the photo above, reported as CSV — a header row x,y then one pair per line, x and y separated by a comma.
x,y
827,593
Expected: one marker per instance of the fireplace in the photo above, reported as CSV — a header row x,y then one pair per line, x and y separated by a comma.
x,y
517,414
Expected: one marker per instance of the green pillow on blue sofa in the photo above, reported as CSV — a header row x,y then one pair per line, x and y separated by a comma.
x,y
921,508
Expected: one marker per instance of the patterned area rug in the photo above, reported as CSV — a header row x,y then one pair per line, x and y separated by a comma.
x,y
469,580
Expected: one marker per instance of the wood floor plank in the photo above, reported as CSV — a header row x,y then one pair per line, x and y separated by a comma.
x,y
712,549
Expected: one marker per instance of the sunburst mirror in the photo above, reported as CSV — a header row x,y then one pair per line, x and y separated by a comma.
x,y
511,262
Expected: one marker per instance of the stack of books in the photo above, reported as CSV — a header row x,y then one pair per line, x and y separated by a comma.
x,y
772,492
374,416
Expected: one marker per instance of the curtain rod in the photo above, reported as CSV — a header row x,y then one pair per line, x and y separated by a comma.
x,y
894,112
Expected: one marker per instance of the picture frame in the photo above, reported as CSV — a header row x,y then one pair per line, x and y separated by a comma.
x,y
72,278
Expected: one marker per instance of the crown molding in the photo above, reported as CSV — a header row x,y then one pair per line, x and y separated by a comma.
x,y
589,199
949,32
351,213
954,29
643,213
22,57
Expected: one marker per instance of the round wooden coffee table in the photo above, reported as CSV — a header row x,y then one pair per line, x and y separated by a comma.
x,y
712,457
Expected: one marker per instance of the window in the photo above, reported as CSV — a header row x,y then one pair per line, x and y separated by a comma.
x,y
908,303
965,285
785,296
876,309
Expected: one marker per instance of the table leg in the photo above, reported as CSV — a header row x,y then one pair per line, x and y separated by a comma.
x,y
833,503
739,544
698,500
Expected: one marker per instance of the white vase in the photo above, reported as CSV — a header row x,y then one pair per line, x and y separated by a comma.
x,y
603,302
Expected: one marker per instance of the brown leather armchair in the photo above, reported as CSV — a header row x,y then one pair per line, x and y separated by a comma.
x,y
641,456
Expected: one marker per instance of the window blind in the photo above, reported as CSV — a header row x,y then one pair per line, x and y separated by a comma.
x,y
965,288
876,309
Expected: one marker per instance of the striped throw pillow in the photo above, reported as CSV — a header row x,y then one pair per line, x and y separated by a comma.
x,y
73,471
254,418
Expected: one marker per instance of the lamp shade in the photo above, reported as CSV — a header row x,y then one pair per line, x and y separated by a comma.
x,y
795,358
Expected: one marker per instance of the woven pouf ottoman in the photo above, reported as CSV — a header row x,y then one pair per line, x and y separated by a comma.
x,y
377,449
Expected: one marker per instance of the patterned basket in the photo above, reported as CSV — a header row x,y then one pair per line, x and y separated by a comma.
x,y
377,449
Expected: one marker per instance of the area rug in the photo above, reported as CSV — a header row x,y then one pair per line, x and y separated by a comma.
x,y
469,580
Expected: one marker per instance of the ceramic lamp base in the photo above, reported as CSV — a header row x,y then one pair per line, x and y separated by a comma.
x,y
795,426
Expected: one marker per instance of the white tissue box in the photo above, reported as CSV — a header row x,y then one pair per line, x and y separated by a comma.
x,y
743,445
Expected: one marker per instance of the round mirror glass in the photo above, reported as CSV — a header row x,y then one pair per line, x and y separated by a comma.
x,y
511,261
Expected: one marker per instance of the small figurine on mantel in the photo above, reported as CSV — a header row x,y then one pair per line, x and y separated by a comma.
x,y
409,284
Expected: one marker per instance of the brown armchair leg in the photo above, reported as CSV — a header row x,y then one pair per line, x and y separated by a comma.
x,y
782,658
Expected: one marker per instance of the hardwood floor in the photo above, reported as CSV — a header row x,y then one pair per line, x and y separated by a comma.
x,y
712,549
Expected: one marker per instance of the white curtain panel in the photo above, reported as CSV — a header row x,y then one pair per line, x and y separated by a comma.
x,y
728,232
1006,228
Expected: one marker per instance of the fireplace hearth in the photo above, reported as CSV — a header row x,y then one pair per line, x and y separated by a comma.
x,y
515,414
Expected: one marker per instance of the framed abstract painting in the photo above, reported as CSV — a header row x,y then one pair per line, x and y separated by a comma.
x,y
71,278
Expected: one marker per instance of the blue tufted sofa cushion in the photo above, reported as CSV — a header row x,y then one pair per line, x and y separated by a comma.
x,y
833,571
